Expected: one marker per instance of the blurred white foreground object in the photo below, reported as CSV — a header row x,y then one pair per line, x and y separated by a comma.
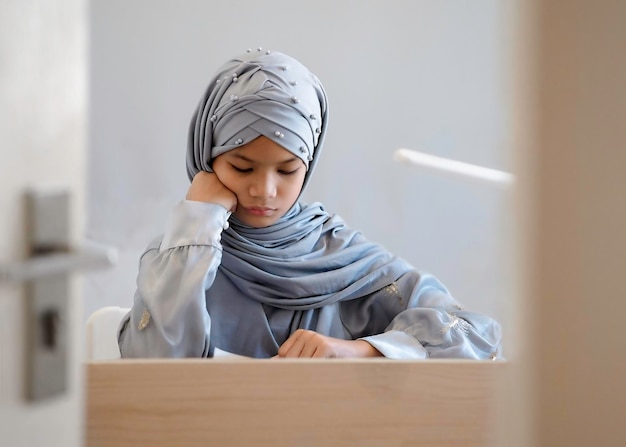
x,y
454,168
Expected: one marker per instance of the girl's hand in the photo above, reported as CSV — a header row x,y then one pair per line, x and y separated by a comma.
x,y
206,187
309,344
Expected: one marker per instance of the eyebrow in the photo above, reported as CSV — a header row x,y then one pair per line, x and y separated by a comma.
x,y
244,158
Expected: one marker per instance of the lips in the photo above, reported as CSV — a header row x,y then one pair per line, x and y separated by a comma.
x,y
260,210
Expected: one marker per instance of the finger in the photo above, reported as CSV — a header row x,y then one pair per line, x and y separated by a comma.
x,y
286,346
296,349
309,348
320,353
293,346
292,341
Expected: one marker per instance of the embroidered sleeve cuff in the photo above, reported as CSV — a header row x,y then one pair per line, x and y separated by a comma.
x,y
195,223
397,345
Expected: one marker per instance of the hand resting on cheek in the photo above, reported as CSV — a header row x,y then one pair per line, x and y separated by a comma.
x,y
207,187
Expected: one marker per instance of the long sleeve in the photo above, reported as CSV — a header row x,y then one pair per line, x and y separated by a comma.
x,y
433,324
169,317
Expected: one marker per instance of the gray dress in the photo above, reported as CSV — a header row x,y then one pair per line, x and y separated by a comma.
x,y
211,283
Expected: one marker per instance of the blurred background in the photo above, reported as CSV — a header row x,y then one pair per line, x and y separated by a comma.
x,y
429,76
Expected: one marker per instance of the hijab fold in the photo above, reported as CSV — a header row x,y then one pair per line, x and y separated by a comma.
x,y
308,259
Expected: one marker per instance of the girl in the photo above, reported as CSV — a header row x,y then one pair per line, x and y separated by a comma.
x,y
245,267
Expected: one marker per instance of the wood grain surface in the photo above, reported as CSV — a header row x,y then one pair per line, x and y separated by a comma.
x,y
291,402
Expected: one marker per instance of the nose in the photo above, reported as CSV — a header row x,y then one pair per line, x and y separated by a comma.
x,y
263,186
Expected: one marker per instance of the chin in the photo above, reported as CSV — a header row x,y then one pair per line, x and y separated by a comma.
x,y
258,222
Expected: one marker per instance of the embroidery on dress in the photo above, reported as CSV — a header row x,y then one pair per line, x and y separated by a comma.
x,y
392,291
456,323
145,319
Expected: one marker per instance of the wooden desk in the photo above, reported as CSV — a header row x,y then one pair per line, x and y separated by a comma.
x,y
231,402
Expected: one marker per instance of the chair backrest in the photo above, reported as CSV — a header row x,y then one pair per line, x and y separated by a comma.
x,y
102,328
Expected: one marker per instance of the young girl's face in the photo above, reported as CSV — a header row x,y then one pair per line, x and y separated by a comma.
x,y
265,177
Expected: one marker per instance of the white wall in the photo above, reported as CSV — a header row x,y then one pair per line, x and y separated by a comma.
x,y
420,74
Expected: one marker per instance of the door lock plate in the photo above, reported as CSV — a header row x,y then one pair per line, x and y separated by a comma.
x,y
48,297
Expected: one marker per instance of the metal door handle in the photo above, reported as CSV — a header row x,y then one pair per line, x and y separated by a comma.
x,y
88,257
46,278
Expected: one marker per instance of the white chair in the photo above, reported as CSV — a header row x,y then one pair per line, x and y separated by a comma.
x,y
102,328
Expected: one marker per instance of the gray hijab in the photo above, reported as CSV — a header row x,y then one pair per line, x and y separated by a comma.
x,y
307,259
260,92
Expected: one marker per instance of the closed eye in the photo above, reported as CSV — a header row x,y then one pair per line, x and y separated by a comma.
x,y
285,172
243,170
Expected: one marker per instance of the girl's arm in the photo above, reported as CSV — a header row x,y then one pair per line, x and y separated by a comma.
x,y
426,322
169,316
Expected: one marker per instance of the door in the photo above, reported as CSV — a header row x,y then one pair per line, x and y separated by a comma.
x,y
43,74
569,377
